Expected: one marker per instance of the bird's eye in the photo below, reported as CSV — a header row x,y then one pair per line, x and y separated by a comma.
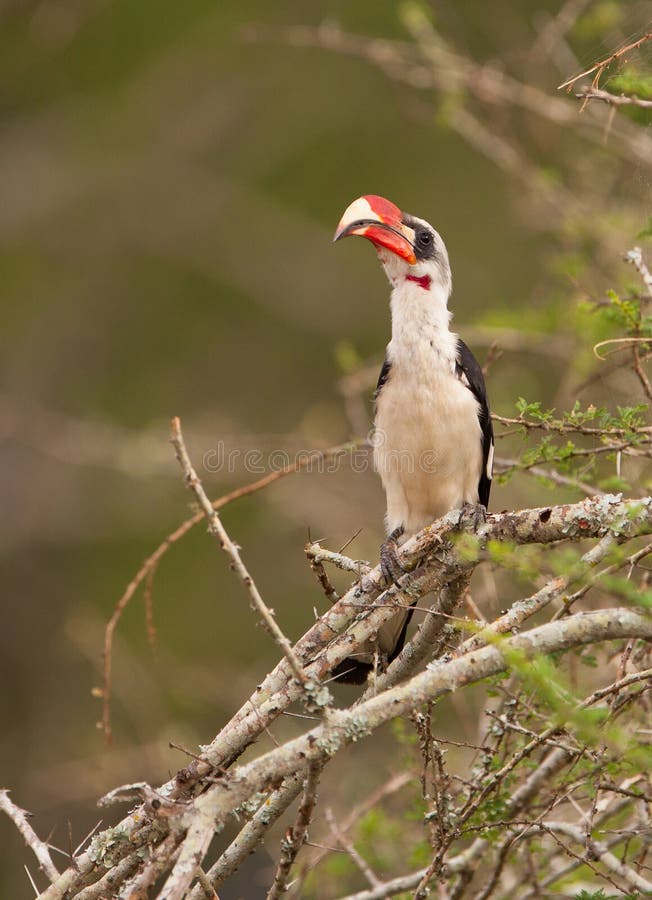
x,y
424,237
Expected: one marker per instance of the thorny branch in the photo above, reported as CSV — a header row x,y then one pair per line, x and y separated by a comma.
x,y
216,527
343,727
173,829
149,566
587,518
170,832
347,844
40,848
296,834
430,63
599,67
591,93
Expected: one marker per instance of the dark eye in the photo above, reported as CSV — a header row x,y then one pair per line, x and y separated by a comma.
x,y
424,237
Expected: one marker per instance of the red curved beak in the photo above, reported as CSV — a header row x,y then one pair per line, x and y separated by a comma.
x,y
381,222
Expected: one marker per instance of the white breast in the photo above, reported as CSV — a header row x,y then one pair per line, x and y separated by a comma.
x,y
428,440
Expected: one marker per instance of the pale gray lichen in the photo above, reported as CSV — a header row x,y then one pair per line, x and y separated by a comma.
x,y
329,743
628,520
104,845
250,806
357,728
580,518
317,696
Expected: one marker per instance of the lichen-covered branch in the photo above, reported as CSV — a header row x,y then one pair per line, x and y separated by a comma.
x,y
297,833
343,727
435,562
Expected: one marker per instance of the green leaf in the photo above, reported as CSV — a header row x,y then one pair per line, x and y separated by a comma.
x,y
647,230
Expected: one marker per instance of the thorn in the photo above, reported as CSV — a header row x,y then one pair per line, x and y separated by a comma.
x,y
350,541
29,875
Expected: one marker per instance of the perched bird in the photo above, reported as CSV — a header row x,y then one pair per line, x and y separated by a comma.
x,y
433,438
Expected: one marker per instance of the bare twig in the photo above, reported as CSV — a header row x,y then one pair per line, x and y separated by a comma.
x,y
423,643
631,561
522,610
395,783
347,844
205,885
296,834
640,372
40,849
590,93
318,554
502,465
269,811
618,344
111,882
334,637
599,67
597,851
149,566
434,65
345,726
216,528
317,567
152,868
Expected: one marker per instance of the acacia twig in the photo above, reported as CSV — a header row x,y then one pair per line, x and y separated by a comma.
x,y
395,783
216,528
423,643
318,554
40,849
110,883
345,726
347,844
522,610
317,567
326,644
591,93
148,568
296,834
599,67
596,851
428,62
269,811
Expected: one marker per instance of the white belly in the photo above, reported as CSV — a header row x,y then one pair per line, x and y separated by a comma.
x,y
428,446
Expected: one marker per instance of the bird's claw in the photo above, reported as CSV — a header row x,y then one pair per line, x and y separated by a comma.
x,y
390,565
472,515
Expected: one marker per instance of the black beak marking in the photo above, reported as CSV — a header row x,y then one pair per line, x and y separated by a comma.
x,y
359,223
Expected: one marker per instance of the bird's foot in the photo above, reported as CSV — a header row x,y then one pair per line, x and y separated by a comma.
x,y
390,565
472,515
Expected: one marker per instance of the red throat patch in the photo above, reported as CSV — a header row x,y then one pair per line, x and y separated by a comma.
x,y
424,281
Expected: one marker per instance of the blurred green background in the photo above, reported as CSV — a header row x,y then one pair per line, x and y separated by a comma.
x,y
168,192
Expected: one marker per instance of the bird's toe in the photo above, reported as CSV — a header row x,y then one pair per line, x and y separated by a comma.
x,y
390,565
473,516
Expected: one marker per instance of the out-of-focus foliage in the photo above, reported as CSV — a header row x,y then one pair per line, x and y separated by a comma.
x,y
170,177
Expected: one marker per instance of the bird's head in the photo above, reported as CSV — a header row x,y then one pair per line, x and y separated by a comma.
x,y
409,248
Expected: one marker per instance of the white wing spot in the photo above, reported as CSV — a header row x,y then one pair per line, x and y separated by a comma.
x,y
490,461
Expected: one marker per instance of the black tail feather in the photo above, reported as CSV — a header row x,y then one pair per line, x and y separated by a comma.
x,y
354,671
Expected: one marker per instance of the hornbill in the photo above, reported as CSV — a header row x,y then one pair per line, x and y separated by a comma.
x,y
433,438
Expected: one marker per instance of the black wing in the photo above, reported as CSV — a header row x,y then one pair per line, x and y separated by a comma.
x,y
469,372
382,378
